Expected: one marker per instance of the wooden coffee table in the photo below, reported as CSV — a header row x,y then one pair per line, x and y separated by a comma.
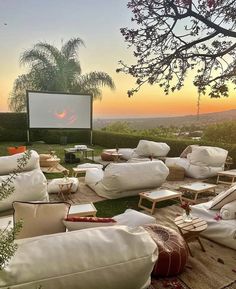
x,y
230,174
157,196
196,188
190,231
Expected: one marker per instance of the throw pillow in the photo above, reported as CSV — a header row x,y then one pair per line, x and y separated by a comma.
x,y
78,223
40,218
228,211
224,198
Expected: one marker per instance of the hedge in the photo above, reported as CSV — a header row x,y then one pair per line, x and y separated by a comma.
x,y
112,140
13,127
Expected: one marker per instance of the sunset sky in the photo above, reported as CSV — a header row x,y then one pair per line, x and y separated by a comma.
x,y
98,22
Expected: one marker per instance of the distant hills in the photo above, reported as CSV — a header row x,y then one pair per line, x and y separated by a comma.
x,y
148,123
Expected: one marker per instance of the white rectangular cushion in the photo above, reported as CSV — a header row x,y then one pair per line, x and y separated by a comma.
x,y
221,231
108,257
9,163
147,148
126,179
202,172
133,218
208,156
28,186
53,185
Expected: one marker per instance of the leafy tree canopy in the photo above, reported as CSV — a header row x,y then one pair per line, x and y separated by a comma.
x,y
53,69
170,38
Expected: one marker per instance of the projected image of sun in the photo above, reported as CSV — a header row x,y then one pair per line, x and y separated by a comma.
x,y
61,114
66,115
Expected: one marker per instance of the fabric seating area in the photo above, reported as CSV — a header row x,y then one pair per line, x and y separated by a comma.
x,y
201,161
126,179
144,149
30,184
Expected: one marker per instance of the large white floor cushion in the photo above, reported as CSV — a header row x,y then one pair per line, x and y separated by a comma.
x,y
89,166
133,218
207,156
9,163
28,186
148,148
101,258
93,176
127,179
220,231
53,185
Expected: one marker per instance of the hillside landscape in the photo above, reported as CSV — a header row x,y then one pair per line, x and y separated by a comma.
x,y
178,121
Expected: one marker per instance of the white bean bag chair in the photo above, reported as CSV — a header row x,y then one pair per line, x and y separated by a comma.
x,y
219,231
202,162
108,257
148,148
126,179
53,185
28,186
9,163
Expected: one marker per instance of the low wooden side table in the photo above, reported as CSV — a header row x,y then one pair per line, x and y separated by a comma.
x,y
190,231
157,196
83,210
65,189
77,171
230,174
196,188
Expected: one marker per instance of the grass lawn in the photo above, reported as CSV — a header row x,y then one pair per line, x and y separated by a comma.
x,y
106,208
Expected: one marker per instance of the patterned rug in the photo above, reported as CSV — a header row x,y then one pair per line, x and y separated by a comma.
x,y
213,269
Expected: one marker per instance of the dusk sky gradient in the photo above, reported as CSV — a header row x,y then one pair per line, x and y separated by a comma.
x,y
98,23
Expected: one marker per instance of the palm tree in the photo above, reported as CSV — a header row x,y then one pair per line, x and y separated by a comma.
x,y
51,69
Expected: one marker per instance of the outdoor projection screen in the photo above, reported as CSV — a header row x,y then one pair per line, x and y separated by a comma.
x,y
59,110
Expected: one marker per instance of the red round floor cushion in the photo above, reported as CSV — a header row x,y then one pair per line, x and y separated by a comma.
x,y
107,156
173,251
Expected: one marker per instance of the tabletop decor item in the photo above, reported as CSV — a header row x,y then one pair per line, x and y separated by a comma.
x,y
187,217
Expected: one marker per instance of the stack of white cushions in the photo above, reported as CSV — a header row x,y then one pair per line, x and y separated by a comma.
x,y
220,215
29,185
201,162
126,179
108,257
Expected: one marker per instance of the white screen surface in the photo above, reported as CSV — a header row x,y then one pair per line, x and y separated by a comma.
x,y
57,110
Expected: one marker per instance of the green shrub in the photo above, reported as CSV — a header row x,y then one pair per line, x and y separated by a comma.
x,y
223,132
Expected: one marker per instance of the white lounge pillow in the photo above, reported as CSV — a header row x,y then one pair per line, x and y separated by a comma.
x,y
134,218
40,218
188,150
201,172
89,166
208,156
79,223
9,163
224,198
228,211
100,258
53,185
28,186
127,153
93,176
148,148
